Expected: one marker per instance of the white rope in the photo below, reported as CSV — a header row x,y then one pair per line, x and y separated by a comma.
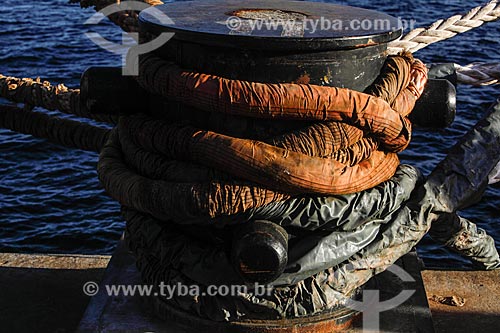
x,y
444,29
478,74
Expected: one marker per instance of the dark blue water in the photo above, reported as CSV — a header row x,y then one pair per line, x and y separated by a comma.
x,y
50,198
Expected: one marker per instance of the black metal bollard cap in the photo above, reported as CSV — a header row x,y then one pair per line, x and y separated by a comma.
x,y
275,41
437,106
259,251
278,25
104,90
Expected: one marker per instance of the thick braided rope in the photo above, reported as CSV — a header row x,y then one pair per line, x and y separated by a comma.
x,y
444,29
34,92
65,132
478,74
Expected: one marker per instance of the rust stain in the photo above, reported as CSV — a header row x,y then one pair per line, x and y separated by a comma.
x,y
303,79
242,12
370,42
298,325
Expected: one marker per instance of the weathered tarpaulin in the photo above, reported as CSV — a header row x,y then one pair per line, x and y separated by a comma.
x,y
197,255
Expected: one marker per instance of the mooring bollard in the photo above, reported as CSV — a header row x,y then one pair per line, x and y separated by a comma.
x,y
225,39
232,41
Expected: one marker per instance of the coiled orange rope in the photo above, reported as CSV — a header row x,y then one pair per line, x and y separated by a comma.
x,y
354,152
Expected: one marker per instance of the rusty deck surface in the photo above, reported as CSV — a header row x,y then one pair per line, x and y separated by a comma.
x,y
43,293
478,291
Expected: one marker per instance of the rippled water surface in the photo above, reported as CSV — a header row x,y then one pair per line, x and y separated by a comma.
x,y
50,198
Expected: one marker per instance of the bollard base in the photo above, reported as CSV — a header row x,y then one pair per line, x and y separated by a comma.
x,y
119,313
337,321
